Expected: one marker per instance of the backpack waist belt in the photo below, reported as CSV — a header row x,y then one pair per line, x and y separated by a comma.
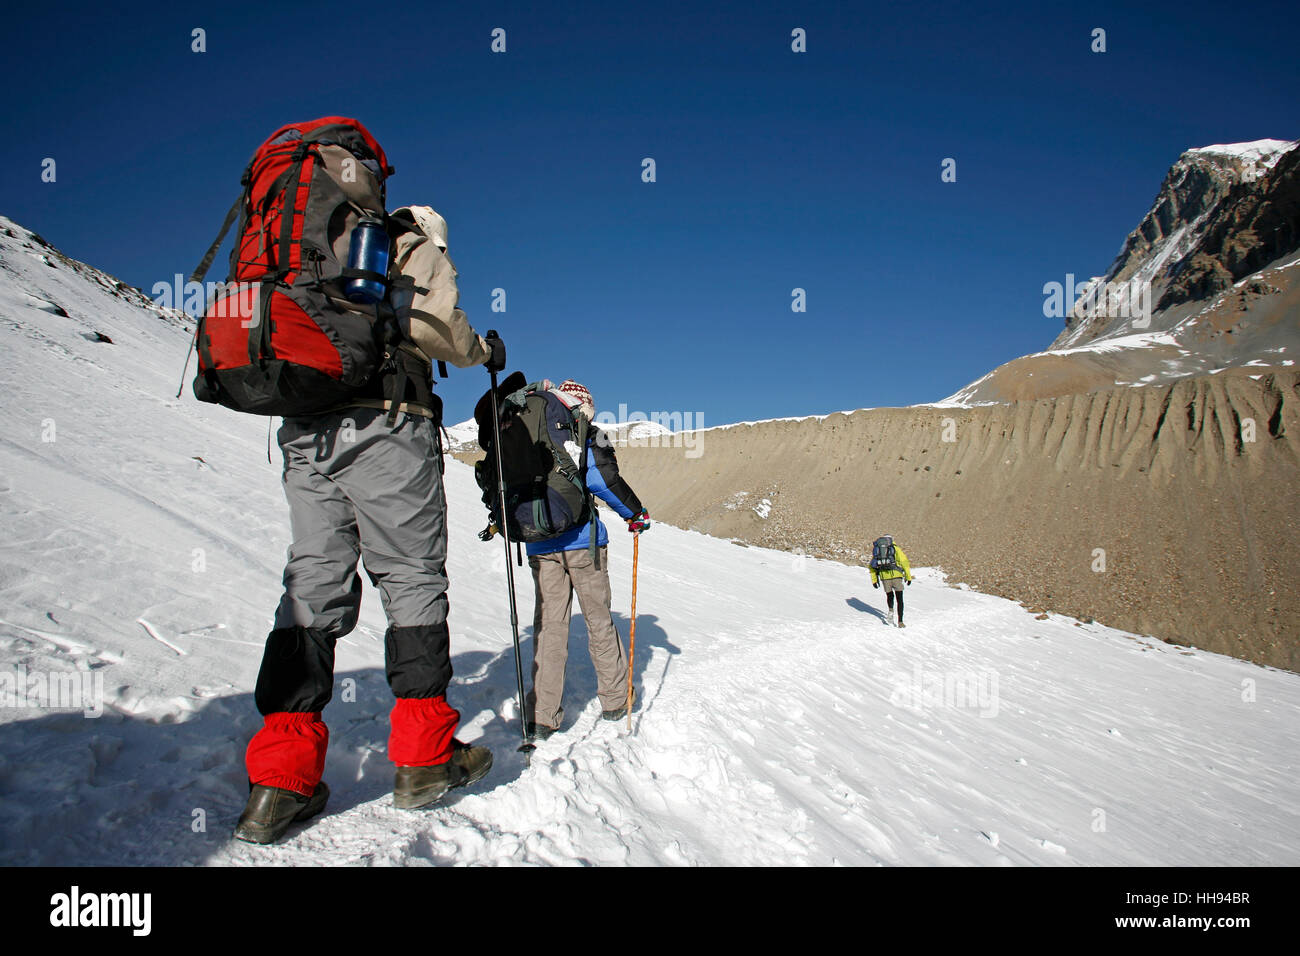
x,y
384,404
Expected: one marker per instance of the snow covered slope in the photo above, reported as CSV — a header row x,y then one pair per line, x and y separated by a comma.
x,y
782,721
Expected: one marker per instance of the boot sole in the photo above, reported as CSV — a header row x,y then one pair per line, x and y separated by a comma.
x,y
419,801
260,836
428,798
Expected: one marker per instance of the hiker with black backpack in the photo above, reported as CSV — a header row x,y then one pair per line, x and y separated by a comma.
x,y
567,543
352,308
890,567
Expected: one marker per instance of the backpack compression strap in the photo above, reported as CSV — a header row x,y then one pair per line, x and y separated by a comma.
x,y
583,431
202,268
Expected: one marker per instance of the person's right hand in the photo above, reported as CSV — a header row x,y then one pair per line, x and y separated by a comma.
x,y
488,533
875,584
638,522
497,360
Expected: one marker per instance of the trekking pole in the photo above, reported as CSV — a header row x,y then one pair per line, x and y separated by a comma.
x,y
524,747
186,367
631,654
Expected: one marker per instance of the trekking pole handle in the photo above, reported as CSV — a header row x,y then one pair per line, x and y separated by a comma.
x,y
496,360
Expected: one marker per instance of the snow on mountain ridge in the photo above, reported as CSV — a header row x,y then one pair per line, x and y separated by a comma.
x,y
632,430
1252,159
464,435
16,239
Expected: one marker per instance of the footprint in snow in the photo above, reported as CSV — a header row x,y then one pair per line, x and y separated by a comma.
x,y
674,853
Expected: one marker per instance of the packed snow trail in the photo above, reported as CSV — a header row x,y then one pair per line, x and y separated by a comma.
x,y
780,721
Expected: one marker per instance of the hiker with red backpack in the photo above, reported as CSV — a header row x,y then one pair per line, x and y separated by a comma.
x,y
890,567
352,308
567,543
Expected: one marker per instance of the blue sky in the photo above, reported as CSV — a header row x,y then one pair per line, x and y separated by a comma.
x,y
775,169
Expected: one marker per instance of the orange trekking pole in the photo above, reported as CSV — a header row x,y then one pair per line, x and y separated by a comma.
x,y
631,654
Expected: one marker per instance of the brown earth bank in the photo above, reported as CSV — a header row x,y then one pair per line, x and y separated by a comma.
x,y
1148,509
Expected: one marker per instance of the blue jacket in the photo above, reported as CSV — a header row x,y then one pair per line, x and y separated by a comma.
x,y
603,481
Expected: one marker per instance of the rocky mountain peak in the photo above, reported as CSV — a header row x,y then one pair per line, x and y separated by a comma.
x,y
1222,212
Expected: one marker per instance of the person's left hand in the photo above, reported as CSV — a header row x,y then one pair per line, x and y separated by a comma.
x,y
639,522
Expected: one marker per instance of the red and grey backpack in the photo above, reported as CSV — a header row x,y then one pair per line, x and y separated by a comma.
x,y
281,338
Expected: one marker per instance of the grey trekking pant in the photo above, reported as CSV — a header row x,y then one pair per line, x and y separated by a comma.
x,y
359,489
555,577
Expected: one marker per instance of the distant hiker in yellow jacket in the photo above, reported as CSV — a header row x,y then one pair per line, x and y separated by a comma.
x,y
889,564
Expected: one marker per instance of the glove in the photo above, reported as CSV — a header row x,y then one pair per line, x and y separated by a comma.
x,y
909,582
875,584
488,533
639,522
497,360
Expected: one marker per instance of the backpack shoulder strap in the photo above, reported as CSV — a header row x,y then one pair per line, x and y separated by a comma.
x,y
583,432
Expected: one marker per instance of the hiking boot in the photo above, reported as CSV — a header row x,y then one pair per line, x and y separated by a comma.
x,y
618,713
271,810
416,787
538,731
901,624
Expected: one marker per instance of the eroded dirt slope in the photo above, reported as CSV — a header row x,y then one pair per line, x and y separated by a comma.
x,y
1196,523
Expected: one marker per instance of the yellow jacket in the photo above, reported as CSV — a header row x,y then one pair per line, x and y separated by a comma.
x,y
904,568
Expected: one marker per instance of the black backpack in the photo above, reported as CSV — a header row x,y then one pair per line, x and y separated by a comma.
x,y
546,494
882,554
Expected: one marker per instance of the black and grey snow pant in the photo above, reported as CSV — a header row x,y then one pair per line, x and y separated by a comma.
x,y
894,589
890,596
358,489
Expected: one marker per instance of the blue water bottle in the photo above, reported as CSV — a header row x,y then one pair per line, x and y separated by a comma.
x,y
368,252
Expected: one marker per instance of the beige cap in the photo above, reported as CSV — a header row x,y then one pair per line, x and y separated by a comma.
x,y
430,223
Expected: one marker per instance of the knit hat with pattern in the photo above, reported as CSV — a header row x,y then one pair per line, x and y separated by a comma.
x,y
577,391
